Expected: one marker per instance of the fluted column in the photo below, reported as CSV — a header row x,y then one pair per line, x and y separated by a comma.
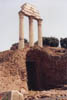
x,y
31,33
40,32
21,30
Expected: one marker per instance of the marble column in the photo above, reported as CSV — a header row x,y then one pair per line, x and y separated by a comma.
x,y
21,30
31,33
40,33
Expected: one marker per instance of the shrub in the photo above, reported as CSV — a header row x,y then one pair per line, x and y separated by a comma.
x,y
15,45
50,41
25,41
63,42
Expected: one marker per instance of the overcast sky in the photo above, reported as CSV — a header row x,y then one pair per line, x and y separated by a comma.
x,y
53,12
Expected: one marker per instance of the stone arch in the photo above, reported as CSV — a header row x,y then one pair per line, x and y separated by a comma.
x,y
32,13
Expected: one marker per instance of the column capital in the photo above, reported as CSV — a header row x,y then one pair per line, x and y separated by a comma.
x,y
31,18
40,21
21,15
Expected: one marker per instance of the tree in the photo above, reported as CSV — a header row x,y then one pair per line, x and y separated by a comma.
x,y
63,42
50,41
15,45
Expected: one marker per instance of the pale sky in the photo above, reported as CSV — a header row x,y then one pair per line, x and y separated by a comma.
x,y
53,12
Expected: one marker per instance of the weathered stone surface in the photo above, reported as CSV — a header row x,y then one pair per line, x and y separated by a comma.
x,y
24,92
30,10
16,96
11,95
5,95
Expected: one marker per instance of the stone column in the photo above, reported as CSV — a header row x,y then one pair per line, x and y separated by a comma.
x,y
40,33
31,33
21,30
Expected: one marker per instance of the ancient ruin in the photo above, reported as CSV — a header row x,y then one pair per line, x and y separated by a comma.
x,y
36,73
32,13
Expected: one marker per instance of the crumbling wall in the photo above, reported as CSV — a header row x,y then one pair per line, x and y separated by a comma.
x,y
51,71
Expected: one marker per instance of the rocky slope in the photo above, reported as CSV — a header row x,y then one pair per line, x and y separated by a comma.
x,y
12,70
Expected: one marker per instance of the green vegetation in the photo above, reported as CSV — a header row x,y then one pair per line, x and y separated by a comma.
x,y
63,42
50,41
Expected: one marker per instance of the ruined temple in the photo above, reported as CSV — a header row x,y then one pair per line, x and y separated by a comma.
x,y
32,13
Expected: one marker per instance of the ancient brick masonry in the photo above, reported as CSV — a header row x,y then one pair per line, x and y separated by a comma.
x,y
50,70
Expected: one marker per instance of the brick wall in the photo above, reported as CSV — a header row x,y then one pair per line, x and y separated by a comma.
x,y
51,71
